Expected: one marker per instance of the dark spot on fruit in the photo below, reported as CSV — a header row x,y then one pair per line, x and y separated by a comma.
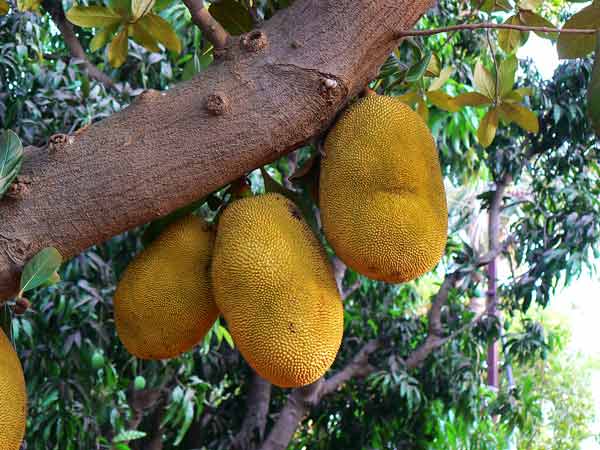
x,y
291,327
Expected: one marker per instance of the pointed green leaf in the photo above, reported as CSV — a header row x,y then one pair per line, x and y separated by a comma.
x,y
139,34
484,81
410,97
128,435
11,158
117,50
417,70
510,40
140,8
472,99
433,69
443,77
572,45
40,269
234,16
102,37
535,20
507,72
442,100
162,31
422,109
520,115
487,127
93,16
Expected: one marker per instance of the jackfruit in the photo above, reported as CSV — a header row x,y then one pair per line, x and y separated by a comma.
x,y
381,193
13,397
276,289
164,303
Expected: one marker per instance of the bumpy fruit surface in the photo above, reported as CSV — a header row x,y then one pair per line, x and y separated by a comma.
x,y
275,287
13,397
164,303
382,198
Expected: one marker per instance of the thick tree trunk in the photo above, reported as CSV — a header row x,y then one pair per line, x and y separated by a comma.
x,y
268,94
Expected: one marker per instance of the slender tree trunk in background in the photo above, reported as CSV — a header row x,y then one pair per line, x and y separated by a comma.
x,y
492,274
268,93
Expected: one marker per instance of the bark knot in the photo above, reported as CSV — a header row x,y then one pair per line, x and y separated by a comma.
x,y
331,89
254,41
58,142
217,104
16,249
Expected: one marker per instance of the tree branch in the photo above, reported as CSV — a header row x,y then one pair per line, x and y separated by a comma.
x,y
56,11
168,149
490,25
211,28
255,421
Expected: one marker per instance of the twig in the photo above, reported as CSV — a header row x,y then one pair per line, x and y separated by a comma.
x,y
212,29
489,25
56,11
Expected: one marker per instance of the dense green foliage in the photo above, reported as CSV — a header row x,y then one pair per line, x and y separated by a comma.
x,y
87,392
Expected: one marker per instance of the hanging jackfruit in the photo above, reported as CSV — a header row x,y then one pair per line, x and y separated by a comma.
x,y
276,289
164,303
13,397
382,197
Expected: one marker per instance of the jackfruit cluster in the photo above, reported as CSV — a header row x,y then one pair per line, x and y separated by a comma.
x,y
383,210
13,397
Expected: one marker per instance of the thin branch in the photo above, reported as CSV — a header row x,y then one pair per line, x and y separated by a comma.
x,y
211,28
56,11
490,25
255,421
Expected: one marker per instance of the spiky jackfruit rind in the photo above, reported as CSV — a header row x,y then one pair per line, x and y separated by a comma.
x,y
382,198
276,289
13,397
164,303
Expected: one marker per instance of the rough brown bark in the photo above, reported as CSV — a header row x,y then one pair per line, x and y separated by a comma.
x,y
56,11
171,148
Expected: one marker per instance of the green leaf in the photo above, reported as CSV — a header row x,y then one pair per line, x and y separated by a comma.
x,y
4,7
487,127
129,435
234,16
472,99
535,20
507,72
29,5
227,336
140,8
40,269
123,7
410,97
444,76
417,70
139,34
443,101
510,40
184,427
117,50
593,93
162,31
422,109
433,68
572,45
102,37
520,115
484,81
11,159
93,16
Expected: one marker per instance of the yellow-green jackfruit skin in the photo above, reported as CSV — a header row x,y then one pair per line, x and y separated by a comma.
x,y
164,303
381,192
275,287
13,397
